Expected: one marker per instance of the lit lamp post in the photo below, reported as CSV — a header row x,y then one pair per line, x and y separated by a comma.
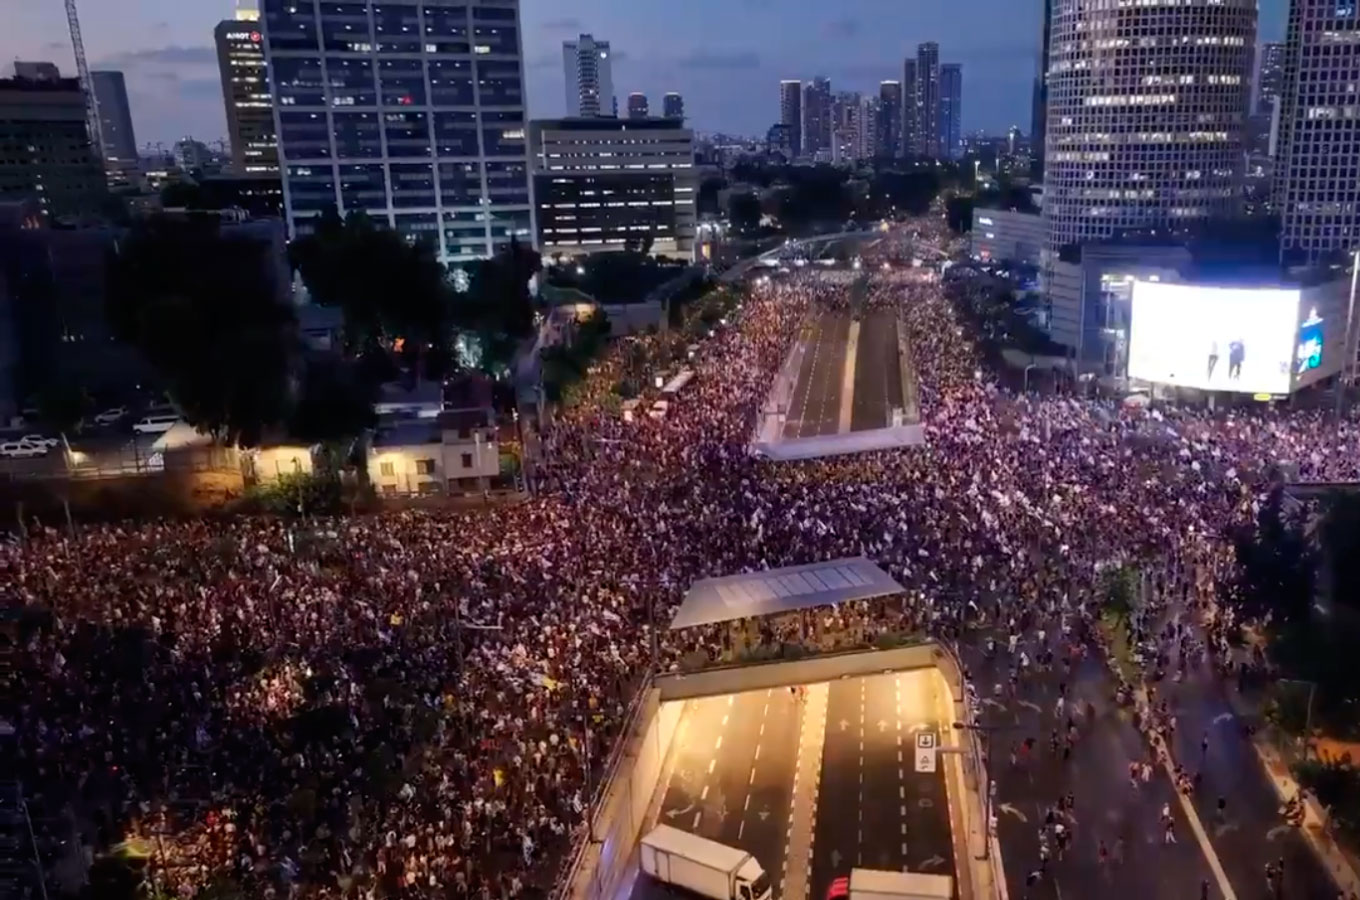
x,y
1347,347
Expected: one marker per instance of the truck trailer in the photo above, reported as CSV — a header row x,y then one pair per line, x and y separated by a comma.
x,y
876,884
707,868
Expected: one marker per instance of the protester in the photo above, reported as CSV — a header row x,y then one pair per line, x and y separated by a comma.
x,y
419,704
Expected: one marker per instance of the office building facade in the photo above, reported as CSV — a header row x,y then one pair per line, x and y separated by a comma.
x,y
588,71
817,118
45,151
951,110
1039,109
1157,140
791,114
888,124
1317,170
245,95
928,138
911,115
115,126
609,183
409,110
673,106
638,107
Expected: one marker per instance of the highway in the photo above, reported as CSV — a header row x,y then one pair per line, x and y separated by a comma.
x,y
733,776
873,808
815,406
878,381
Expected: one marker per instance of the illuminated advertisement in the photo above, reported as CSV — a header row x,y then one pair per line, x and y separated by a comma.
x,y
1217,338
1308,356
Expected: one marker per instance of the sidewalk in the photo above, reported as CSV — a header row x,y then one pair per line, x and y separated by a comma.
x,y
1340,864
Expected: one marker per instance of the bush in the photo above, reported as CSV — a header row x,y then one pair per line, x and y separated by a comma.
x,y
301,493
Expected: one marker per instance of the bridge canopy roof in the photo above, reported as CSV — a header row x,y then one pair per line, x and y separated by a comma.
x,y
789,589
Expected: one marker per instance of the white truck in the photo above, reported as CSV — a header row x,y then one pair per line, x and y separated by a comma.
x,y
713,870
876,884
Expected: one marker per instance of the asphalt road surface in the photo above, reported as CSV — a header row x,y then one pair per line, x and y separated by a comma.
x,y
815,407
1107,807
733,776
873,809
878,379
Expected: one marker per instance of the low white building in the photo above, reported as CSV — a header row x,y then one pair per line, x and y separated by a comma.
x,y
456,452
1007,236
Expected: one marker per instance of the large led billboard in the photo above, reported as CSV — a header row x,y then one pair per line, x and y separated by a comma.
x,y
1215,338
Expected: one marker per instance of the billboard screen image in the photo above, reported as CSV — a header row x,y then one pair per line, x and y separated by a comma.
x,y
1215,338
1309,354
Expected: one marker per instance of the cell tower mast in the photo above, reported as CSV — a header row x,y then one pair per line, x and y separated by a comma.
x,y
86,84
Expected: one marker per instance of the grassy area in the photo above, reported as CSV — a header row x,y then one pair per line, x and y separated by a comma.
x,y
1116,630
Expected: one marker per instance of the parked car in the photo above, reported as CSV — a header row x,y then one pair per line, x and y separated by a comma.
x,y
39,440
111,416
21,450
157,424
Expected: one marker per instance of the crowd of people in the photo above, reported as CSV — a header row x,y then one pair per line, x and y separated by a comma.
x,y
418,704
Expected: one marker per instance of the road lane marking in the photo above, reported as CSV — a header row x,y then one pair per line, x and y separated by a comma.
x,y
697,816
704,794
901,792
904,828
752,779
718,745
730,699
741,826
724,721
757,751
747,805
711,764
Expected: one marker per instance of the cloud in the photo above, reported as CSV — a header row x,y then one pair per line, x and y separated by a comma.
x,y
567,24
841,28
55,46
172,55
720,59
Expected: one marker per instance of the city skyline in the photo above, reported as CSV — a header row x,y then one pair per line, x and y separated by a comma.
x,y
166,51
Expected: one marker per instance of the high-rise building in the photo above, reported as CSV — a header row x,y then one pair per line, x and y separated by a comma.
x,y
1317,188
1157,139
588,72
245,93
951,110
928,137
637,106
908,145
673,106
115,126
410,110
1039,109
888,124
847,127
36,71
791,114
1269,77
816,117
45,152
605,183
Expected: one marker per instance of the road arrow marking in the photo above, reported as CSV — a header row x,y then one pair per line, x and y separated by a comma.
x,y
1224,828
1008,808
764,814
936,860
679,812
925,803
1222,717
1030,704
882,726
919,726
835,859
844,724
1277,831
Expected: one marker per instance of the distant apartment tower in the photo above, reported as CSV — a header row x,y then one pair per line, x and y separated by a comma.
x,y
908,144
45,152
115,126
928,137
816,117
1157,140
847,127
673,106
638,107
888,124
588,72
1317,188
791,114
245,94
1266,85
1039,100
608,183
951,110
410,111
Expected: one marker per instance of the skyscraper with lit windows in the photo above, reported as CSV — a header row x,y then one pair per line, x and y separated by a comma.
x,y
1146,115
410,110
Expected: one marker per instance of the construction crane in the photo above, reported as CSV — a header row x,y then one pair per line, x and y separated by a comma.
x,y
86,83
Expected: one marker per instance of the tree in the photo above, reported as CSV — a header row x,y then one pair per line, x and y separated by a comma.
x,y
203,309
1340,538
743,211
335,401
707,201
959,213
498,307
1276,567
394,294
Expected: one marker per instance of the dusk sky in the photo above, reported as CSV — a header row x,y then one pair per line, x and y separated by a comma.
x,y
725,56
